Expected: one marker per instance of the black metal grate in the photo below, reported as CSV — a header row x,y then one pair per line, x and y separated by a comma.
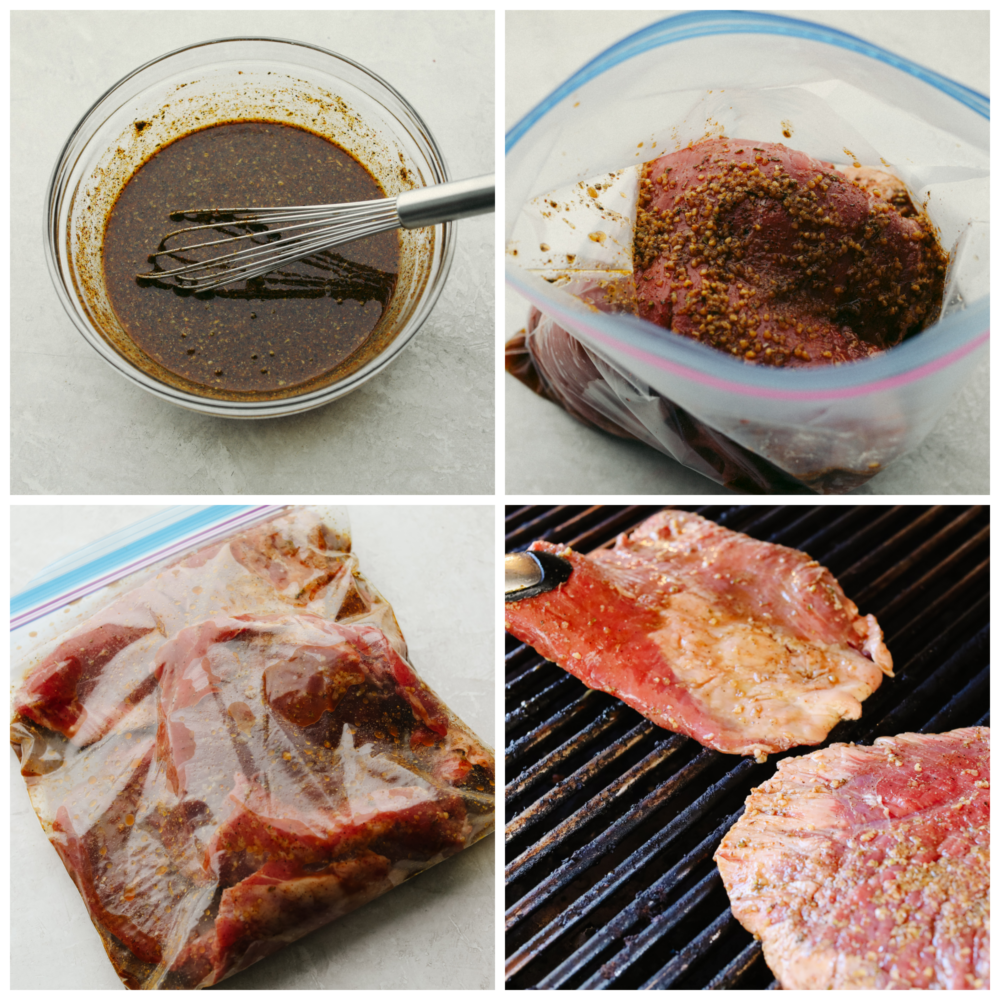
x,y
612,821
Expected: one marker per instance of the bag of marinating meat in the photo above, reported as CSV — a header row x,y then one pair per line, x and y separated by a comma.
x,y
229,748
574,170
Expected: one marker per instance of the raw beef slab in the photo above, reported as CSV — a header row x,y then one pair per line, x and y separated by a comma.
x,y
745,646
869,867
778,258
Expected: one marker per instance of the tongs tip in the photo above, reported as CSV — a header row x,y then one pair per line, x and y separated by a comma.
x,y
528,574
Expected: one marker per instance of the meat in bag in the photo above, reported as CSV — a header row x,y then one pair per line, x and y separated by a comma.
x,y
237,751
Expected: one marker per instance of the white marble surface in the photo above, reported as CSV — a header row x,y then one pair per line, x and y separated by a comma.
x,y
423,426
547,451
433,932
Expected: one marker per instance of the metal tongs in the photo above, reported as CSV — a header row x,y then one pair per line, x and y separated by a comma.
x,y
528,574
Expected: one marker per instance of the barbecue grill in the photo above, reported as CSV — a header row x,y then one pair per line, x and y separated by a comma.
x,y
612,821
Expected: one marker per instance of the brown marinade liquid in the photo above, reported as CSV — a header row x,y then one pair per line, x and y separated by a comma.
x,y
272,333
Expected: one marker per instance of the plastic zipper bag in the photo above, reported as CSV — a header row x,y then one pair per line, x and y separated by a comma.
x,y
229,748
757,77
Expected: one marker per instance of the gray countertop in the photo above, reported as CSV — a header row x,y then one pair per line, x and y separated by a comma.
x,y
547,451
425,425
433,932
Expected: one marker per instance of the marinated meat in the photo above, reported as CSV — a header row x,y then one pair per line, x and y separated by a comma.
x,y
781,259
101,672
554,364
220,780
760,252
745,646
560,368
54,693
867,867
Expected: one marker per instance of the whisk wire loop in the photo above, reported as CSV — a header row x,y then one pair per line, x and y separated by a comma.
x,y
280,235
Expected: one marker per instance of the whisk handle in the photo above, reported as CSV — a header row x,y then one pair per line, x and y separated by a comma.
x,y
444,202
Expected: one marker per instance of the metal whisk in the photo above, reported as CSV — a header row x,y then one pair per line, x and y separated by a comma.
x,y
272,237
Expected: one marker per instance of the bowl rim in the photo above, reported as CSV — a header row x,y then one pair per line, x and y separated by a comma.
x,y
240,408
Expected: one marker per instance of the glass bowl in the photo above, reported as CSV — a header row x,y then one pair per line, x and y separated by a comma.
x,y
223,80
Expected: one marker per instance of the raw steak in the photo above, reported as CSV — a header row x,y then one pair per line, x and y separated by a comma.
x,y
238,752
745,646
869,867
781,259
101,672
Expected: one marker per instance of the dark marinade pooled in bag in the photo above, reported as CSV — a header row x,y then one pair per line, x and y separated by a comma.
x,y
238,752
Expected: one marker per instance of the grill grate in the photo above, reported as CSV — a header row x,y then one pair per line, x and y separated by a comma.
x,y
612,821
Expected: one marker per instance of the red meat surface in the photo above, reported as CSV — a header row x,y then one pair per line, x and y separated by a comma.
x,y
106,869
298,807
255,916
553,363
292,556
746,646
54,693
93,679
778,258
299,667
868,867
414,821
322,771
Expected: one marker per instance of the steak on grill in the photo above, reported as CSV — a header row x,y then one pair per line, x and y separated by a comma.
x,y
867,867
746,646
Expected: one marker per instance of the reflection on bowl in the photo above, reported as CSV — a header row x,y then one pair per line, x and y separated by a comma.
x,y
232,80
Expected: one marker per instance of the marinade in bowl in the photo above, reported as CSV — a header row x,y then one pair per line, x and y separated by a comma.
x,y
318,109
269,334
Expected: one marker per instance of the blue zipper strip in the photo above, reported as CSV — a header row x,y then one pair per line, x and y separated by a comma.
x,y
697,24
138,549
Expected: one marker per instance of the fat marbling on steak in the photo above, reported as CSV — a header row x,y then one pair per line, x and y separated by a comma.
x,y
746,646
868,867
